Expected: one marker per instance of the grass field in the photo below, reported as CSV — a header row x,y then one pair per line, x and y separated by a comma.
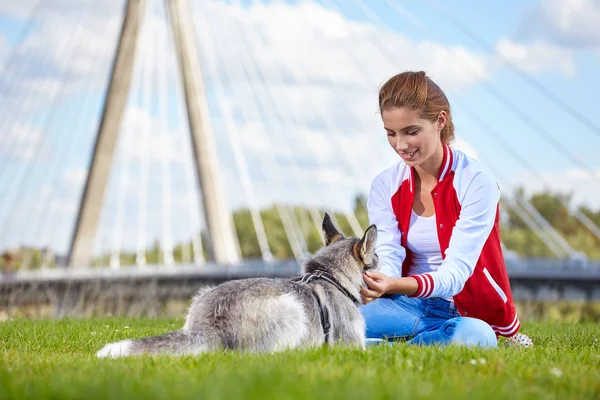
x,y
55,360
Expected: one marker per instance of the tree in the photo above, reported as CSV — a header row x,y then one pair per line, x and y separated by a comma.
x,y
516,235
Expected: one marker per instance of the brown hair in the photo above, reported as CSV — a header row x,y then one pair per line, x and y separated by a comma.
x,y
416,91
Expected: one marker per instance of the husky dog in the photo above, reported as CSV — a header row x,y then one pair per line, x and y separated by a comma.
x,y
270,314
275,314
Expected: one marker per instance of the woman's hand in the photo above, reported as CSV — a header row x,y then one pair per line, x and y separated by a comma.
x,y
377,285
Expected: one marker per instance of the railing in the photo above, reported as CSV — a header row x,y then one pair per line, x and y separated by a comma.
x,y
137,291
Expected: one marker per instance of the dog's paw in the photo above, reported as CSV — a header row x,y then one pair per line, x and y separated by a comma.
x,y
115,350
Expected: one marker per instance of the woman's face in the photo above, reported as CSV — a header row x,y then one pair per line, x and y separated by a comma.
x,y
414,139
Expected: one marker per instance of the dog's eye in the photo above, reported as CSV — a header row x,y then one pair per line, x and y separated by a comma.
x,y
373,265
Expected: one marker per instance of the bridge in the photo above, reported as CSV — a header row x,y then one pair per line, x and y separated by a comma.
x,y
148,147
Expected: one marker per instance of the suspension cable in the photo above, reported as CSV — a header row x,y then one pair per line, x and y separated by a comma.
x,y
12,115
527,77
250,112
147,71
49,216
126,145
163,115
291,121
230,128
331,126
27,170
489,131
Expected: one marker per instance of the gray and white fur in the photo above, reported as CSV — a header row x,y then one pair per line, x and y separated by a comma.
x,y
273,314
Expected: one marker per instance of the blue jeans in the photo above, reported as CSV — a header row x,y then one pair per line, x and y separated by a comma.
x,y
432,321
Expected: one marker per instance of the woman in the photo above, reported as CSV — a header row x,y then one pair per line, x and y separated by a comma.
x,y
442,277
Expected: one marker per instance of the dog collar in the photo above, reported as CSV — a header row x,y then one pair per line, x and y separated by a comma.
x,y
319,274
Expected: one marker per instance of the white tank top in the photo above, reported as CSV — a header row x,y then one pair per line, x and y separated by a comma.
x,y
424,245
423,242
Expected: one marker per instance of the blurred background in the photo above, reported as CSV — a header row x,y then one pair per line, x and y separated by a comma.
x,y
151,146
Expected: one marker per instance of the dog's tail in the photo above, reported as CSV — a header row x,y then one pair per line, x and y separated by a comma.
x,y
180,342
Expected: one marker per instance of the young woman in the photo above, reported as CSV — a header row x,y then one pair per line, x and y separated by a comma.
x,y
442,277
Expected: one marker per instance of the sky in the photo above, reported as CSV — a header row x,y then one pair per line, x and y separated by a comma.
x,y
291,89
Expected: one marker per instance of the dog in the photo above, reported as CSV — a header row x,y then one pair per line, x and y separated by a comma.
x,y
275,314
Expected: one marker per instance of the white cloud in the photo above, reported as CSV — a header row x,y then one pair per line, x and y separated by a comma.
x,y
26,9
144,137
21,141
538,56
569,23
17,9
317,43
550,33
48,200
578,182
75,177
291,167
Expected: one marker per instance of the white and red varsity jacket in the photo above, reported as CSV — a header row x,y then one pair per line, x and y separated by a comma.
x,y
466,200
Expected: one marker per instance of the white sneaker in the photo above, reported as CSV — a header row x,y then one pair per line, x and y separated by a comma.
x,y
519,339
376,342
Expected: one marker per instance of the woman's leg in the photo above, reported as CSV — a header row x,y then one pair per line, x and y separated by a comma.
x,y
392,317
461,331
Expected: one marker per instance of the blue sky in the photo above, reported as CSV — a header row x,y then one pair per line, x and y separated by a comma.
x,y
296,85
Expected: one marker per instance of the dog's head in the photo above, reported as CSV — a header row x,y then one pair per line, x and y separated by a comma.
x,y
343,256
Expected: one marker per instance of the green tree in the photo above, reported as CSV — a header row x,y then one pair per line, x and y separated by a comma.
x,y
516,235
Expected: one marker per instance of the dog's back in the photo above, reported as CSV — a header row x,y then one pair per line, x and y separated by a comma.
x,y
260,314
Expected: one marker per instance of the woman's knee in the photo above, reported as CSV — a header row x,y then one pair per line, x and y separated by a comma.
x,y
470,332
384,317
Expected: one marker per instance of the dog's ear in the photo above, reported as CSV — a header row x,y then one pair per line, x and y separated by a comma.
x,y
366,246
330,232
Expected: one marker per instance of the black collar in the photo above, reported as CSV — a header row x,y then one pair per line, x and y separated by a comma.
x,y
318,274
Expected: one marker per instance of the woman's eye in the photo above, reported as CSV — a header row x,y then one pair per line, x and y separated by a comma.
x,y
413,133
391,134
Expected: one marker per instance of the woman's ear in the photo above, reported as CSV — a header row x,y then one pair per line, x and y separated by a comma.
x,y
442,119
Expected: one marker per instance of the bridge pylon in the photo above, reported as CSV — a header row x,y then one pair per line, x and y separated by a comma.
x,y
218,220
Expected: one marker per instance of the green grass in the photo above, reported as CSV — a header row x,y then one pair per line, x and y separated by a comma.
x,y
55,360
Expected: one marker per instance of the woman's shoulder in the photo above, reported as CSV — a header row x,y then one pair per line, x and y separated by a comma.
x,y
472,175
466,164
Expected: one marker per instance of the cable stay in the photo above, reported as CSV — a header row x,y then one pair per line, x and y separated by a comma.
x,y
239,159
